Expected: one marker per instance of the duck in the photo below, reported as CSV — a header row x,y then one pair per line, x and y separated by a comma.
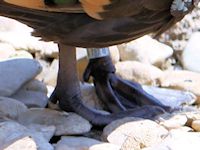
x,y
96,25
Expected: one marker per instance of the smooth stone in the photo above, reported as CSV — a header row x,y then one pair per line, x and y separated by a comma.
x,y
174,122
31,98
90,97
138,72
81,53
6,51
178,140
50,77
196,125
133,133
15,73
105,146
190,56
171,97
114,54
65,123
182,80
11,108
22,54
145,50
75,143
47,131
10,31
25,143
35,85
11,132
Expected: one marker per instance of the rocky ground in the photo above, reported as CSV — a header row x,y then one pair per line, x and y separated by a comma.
x,y
168,68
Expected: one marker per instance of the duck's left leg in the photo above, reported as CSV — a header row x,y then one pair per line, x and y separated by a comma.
x,y
116,93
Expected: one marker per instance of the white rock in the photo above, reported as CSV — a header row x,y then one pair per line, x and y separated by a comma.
x,y
31,98
15,73
10,31
75,143
174,122
6,51
182,80
133,133
105,146
51,74
25,143
114,54
11,132
145,50
190,57
66,124
138,72
178,140
11,107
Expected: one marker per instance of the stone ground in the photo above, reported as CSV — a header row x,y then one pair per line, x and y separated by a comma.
x,y
168,68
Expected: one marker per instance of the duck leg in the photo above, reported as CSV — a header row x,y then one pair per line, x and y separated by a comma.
x,y
116,93
68,94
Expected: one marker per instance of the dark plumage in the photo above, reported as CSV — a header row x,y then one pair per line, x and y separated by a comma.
x,y
124,21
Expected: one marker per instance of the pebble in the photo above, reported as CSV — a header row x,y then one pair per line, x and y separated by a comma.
x,y
182,80
196,125
114,54
190,56
138,72
65,123
11,132
15,73
31,98
174,122
145,50
178,140
171,97
11,108
75,143
133,133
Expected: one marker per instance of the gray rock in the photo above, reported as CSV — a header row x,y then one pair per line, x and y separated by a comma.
x,y
47,131
65,123
171,97
15,73
35,85
11,132
190,57
75,143
90,97
178,140
133,133
11,108
31,98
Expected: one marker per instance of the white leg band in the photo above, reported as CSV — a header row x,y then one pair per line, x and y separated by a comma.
x,y
97,52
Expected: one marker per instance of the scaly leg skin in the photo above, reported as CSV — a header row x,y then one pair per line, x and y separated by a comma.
x,y
116,93
68,94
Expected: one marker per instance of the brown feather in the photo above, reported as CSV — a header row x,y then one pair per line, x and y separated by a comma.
x,y
123,21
